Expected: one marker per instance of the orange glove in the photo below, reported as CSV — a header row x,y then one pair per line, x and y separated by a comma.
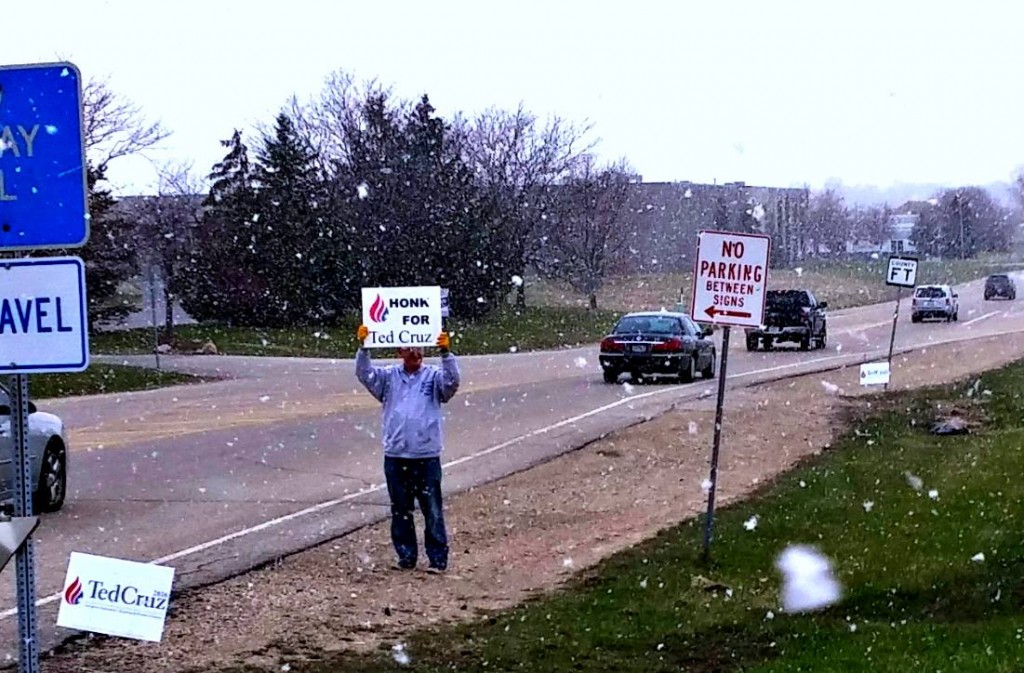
x,y
362,333
444,341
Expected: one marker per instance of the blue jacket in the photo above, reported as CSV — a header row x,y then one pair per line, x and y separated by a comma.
x,y
412,403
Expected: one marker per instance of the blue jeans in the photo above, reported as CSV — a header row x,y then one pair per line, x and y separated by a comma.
x,y
410,481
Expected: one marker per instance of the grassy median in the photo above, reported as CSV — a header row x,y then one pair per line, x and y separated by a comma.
x,y
932,570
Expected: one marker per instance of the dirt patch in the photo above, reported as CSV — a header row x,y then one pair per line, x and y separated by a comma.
x,y
521,536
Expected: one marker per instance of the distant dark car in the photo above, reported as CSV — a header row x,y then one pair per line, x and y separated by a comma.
x,y
793,316
658,344
1000,285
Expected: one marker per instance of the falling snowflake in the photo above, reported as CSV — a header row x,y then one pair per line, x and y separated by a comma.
x,y
400,655
643,583
627,387
517,281
567,562
978,558
362,190
830,388
512,349
868,505
915,482
751,523
769,615
692,427
799,272
933,494
688,194
758,212
706,486
808,582
581,363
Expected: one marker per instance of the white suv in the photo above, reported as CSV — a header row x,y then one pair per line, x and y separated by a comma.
x,y
935,301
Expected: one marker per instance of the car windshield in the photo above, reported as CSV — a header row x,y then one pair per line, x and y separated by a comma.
x,y
930,293
998,278
788,298
648,325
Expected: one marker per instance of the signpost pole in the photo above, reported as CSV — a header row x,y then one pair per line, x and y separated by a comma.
x,y
892,337
710,520
28,644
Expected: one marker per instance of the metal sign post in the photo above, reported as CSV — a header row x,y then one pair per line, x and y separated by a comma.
x,y
729,281
710,520
892,337
901,272
28,643
43,205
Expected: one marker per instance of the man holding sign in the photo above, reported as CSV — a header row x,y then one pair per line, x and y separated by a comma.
x,y
412,394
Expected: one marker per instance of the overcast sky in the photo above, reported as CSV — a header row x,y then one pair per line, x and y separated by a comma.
x,y
768,92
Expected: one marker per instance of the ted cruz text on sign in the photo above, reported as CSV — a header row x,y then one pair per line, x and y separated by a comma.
x,y
402,316
729,278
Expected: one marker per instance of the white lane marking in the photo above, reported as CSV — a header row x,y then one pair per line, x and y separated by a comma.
x,y
515,440
980,318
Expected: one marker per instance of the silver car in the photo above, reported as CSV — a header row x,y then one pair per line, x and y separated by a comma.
x,y
48,454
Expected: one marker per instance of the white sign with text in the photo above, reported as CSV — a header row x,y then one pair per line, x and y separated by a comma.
x,y
43,318
116,597
402,316
729,278
902,272
874,374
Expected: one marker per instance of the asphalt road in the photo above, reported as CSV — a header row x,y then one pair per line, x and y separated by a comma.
x,y
216,478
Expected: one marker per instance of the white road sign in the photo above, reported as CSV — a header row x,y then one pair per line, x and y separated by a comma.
x,y
729,278
902,271
43,318
115,597
874,374
402,316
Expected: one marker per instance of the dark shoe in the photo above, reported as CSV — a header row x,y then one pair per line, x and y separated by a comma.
x,y
437,568
404,565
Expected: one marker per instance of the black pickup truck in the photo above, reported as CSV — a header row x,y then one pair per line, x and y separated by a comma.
x,y
791,316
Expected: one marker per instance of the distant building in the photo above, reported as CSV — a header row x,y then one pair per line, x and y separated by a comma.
x,y
898,241
665,218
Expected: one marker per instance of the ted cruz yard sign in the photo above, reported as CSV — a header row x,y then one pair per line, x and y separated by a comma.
x,y
402,316
42,158
729,278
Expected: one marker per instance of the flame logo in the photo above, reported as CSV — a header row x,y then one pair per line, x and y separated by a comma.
x,y
73,594
378,310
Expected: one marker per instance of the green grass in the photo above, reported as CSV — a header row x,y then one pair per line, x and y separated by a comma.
x,y
102,378
913,598
531,328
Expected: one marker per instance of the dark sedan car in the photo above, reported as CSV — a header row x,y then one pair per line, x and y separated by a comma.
x,y
658,344
1000,285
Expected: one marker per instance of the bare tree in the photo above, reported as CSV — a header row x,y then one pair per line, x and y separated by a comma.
x,y
113,126
165,227
516,159
829,222
584,234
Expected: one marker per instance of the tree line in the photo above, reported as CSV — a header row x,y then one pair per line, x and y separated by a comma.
x,y
357,187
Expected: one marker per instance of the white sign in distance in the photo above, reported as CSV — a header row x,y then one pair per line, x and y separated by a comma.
x,y
902,271
729,278
402,316
874,374
115,597
43,317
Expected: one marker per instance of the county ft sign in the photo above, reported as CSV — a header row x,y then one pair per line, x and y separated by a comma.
x,y
729,278
42,158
